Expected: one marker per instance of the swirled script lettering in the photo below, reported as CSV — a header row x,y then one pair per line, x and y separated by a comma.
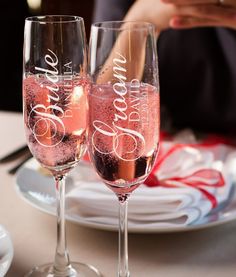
x,y
47,125
127,143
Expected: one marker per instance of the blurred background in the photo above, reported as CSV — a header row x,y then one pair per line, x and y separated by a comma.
x,y
12,31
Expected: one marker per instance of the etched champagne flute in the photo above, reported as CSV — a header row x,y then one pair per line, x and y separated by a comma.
x,y
124,112
55,88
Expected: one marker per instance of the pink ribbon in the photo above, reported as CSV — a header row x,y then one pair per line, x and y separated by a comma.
x,y
199,179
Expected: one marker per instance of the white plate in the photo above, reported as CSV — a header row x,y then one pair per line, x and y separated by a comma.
x,y
6,251
38,190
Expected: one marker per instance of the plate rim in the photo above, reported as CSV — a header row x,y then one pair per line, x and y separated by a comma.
x,y
102,226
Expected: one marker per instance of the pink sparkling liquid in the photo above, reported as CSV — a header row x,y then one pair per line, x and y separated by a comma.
x,y
123,134
55,118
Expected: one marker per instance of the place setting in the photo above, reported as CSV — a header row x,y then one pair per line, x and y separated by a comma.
x,y
153,208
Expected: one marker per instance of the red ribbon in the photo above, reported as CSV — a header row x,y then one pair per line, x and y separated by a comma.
x,y
198,179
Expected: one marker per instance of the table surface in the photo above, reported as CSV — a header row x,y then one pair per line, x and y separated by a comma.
x,y
208,252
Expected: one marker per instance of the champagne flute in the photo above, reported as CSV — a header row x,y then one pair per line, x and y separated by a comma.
x,y
55,88
124,111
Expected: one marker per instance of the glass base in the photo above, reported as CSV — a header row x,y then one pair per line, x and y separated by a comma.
x,y
78,270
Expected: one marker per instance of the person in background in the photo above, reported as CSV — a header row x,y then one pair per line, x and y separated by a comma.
x,y
196,41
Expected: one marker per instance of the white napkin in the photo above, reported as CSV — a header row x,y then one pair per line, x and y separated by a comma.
x,y
157,207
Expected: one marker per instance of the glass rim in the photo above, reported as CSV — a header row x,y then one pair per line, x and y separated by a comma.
x,y
119,25
53,18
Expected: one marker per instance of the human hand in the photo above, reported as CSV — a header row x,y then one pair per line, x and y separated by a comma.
x,y
203,13
154,11
181,14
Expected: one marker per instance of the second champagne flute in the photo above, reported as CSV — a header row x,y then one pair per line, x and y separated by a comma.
x,y
55,114
124,112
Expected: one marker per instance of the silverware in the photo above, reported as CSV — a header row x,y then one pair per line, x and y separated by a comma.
x,y
14,169
14,154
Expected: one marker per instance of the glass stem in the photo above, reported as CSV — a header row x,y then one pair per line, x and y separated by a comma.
x,y
61,265
123,270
